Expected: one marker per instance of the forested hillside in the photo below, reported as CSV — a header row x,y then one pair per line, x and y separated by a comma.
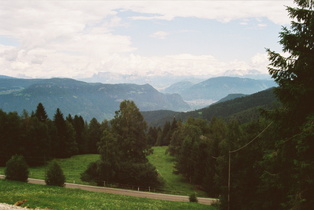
x,y
244,109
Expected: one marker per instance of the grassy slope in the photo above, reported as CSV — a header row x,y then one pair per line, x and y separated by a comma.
x,y
74,166
174,184
61,198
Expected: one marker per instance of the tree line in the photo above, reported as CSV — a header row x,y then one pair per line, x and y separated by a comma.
x,y
121,142
40,139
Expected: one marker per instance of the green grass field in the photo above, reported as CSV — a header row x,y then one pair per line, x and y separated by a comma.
x,y
74,166
61,198
174,184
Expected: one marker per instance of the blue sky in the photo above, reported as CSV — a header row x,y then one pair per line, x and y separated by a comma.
x,y
77,39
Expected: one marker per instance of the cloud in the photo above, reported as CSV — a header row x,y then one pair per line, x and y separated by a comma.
x,y
160,35
223,11
78,38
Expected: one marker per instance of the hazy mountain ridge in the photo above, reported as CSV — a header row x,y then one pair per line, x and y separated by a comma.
x,y
218,87
86,99
243,108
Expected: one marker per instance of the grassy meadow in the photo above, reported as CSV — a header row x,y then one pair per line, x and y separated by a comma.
x,y
62,198
174,183
74,166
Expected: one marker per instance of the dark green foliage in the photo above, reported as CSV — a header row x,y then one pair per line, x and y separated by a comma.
x,y
54,175
64,144
39,139
123,148
152,135
193,198
41,113
163,137
271,163
10,135
290,152
16,169
94,135
201,149
36,141
244,109
80,134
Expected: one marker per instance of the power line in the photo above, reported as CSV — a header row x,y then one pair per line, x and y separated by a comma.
x,y
234,151
237,150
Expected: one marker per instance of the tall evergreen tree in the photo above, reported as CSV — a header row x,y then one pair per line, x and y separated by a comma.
x,y
292,162
80,133
64,144
123,149
93,136
130,127
40,113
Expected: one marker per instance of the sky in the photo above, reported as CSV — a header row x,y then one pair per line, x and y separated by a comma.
x,y
78,39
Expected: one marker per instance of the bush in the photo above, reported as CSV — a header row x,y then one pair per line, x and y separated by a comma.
x,y
16,169
193,197
54,175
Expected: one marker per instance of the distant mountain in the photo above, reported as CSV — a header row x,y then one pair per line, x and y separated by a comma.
x,y
244,109
178,87
6,77
218,87
204,93
160,82
86,99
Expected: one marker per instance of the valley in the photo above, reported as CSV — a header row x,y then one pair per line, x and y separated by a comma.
x,y
98,100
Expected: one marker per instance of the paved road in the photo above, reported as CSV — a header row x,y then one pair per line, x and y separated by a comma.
x,y
207,201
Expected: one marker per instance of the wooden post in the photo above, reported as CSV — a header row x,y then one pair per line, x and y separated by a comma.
x,y
229,175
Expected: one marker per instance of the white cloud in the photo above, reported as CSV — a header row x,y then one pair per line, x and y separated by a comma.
x,y
71,38
160,35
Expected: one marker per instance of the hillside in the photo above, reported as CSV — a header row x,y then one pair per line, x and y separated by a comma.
x,y
86,99
231,97
243,108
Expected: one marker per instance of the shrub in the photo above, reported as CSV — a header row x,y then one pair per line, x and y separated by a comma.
x,y
54,175
16,169
193,197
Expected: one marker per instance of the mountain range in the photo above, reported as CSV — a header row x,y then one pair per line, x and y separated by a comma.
x,y
211,90
86,99
102,100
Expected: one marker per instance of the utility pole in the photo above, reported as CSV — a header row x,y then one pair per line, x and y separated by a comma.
x,y
237,150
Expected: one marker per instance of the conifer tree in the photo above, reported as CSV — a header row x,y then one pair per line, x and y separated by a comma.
x,y
54,175
290,166
41,113
16,169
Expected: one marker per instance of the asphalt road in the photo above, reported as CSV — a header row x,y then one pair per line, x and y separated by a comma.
x,y
206,201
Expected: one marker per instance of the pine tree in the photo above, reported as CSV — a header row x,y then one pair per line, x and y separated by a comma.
x,y
93,136
123,149
54,175
16,169
292,162
41,113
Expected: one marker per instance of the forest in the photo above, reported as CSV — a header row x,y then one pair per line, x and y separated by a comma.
x,y
266,163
